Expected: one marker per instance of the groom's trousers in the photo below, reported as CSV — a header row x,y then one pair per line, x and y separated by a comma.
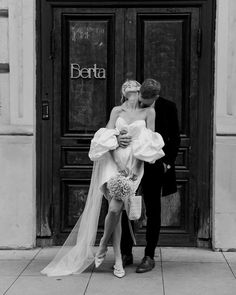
x,y
151,186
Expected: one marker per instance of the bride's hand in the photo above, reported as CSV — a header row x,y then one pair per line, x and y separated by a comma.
x,y
125,172
122,169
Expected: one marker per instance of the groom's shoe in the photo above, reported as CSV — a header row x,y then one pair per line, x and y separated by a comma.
x,y
147,264
127,259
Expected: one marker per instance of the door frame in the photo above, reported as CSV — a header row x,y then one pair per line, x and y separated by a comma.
x,y
202,215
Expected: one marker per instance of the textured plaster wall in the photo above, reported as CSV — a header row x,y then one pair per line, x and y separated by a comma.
x,y
17,140
224,201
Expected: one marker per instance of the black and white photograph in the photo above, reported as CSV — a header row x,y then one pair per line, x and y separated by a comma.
x,y
117,147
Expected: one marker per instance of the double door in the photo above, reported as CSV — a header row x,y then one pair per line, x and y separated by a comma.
x,y
86,55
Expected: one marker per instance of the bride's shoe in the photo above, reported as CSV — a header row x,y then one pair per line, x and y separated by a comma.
x,y
119,271
99,258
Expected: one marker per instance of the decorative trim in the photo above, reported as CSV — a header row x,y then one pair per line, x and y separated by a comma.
x,y
4,68
225,134
3,12
21,57
125,3
17,134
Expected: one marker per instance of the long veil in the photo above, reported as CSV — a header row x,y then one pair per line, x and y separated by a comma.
x,y
77,252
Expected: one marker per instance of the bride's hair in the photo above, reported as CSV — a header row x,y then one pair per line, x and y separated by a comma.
x,y
129,85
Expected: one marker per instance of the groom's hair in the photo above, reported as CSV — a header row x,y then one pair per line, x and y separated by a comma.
x,y
150,88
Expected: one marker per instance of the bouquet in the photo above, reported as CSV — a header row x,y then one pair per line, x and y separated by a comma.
x,y
121,186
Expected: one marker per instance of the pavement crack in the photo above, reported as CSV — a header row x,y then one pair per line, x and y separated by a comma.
x,y
86,288
162,273
5,292
228,265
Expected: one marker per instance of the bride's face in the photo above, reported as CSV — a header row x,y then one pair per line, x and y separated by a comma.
x,y
132,96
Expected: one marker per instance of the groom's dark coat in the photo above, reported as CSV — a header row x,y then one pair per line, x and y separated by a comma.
x,y
166,124
155,181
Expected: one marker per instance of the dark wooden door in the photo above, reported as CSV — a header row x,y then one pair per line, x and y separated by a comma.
x,y
88,67
87,54
165,44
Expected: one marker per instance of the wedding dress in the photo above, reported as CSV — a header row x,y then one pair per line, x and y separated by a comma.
x,y
78,253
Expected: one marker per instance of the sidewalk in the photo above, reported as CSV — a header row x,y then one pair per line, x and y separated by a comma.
x,y
178,271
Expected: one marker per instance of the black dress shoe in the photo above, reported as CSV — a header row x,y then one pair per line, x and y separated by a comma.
x,y
147,264
127,259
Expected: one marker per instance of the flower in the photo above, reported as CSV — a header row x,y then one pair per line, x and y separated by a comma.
x,y
121,186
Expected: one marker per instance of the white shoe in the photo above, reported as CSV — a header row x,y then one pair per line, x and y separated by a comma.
x,y
118,271
100,258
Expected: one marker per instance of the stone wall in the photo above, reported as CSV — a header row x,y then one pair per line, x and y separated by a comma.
x,y
17,140
224,201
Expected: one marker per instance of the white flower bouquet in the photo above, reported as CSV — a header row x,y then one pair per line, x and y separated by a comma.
x,y
121,186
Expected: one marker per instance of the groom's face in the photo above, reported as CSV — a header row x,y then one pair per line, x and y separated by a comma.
x,y
146,102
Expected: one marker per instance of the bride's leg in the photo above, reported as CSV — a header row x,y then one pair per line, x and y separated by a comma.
x,y
118,267
111,221
116,242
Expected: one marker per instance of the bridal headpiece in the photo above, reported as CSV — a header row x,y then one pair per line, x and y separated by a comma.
x,y
129,86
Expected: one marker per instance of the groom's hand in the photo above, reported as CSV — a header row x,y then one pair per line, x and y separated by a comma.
x,y
123,139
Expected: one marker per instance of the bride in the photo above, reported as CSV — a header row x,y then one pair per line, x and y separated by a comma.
x,y
77,253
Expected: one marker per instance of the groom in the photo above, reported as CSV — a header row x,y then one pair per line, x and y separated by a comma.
x,y
159,178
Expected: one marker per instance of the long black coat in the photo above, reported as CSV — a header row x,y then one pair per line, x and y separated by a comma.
x,y
167,125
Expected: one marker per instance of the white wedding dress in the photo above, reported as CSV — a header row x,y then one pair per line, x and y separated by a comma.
x,y
78,253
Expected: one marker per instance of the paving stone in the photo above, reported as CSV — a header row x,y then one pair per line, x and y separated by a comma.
x,y
36,266
18,254
6,282
103,282
47,253
198,279
138,252
12,267
191,255
230,256
187,271
42,285
233,268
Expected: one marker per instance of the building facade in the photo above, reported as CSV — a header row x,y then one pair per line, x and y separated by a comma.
x,y
61,67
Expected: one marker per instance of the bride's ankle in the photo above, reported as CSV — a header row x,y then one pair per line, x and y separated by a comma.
x,y
118,263
102,249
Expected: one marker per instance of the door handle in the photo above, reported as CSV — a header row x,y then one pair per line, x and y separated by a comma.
x,y
45,110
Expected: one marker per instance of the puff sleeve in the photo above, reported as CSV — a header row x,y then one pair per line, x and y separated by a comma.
x,y
103,141
148,146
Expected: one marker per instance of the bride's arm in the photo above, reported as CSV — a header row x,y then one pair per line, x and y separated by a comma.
x,y
150,119
113,117
104,139
111,125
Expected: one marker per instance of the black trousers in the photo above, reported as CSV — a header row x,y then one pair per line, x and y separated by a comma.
x,y
151,185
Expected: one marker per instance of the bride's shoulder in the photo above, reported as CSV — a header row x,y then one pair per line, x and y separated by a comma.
x,y
116,110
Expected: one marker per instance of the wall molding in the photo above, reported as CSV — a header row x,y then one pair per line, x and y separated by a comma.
x,y
22,61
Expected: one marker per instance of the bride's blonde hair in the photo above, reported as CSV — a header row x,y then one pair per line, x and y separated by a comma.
x,y
129,85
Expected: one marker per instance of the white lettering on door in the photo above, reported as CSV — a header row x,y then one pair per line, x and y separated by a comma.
x,y
86,73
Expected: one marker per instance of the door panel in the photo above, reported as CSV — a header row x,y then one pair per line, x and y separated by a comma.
x,y
84,92
88,44
166,51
